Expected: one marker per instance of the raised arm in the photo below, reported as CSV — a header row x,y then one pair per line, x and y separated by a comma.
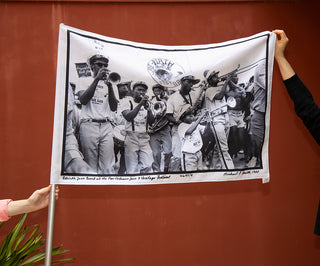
x,y
194,125
129,115
223,90
86,95
282,40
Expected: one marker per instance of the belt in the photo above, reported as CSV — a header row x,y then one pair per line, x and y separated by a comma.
x,y
192,153
137,134
95,120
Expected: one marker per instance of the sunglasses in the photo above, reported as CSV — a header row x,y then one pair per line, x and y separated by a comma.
x,y
101,64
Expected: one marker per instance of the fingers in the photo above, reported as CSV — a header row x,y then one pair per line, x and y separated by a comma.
x,y
46,190
57,192
102,73
277,31
280,45
281,34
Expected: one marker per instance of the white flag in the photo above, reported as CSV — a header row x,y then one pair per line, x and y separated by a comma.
x,y
129,113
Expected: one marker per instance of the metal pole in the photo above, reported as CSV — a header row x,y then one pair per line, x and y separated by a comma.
x,y
218,144
50,224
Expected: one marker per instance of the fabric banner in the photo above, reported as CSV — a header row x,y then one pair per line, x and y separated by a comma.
x,y
129,113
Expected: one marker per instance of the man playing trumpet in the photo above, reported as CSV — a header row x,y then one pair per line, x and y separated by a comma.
x,y
98,101
138,115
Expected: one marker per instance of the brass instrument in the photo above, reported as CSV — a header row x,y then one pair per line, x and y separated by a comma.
x,y
158,109
113,77
241,70
147,103
225,76
198,103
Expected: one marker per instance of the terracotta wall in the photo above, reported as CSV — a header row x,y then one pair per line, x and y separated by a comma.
x,y
243,223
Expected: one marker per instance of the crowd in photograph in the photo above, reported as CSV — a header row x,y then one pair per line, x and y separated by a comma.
x,y
129,127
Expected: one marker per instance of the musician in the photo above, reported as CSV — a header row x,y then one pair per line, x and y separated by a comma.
x,y
175,105
258,109
159,93
73,158
138,116
98,101
124,91
247,147
236,116
215,103
160,130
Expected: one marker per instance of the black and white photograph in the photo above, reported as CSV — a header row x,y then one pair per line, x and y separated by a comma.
x,y
135,113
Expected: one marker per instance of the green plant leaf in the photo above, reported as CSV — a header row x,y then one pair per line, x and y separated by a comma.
x,y
21,236
39,257
15,232
5,249
20,248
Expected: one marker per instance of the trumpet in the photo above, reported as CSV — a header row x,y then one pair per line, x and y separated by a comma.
x,y
146,102
225,76
113,77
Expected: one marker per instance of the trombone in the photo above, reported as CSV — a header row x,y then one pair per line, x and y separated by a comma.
x,y
239,70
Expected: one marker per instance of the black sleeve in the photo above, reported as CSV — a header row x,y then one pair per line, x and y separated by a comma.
x,y
317,225
304,105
